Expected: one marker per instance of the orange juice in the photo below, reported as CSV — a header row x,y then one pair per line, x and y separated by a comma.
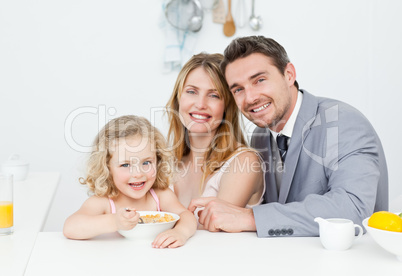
x,y
6,214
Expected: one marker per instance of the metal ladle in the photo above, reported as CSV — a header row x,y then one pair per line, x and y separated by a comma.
x,y
195,23
255,21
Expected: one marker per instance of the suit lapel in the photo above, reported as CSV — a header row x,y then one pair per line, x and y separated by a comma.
x,y
307,112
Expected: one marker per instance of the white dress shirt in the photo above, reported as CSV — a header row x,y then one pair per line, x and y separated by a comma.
x,y
287,131
288,128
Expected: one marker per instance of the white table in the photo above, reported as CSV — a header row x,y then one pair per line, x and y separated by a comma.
x,y
32,200
207,254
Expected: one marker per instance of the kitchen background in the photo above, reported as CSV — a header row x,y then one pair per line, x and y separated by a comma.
x,y
67,67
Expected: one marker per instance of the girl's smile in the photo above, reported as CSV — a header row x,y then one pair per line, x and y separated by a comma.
x,y
137,186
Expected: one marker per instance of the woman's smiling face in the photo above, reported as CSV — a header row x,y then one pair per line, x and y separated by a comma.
x,y
201,107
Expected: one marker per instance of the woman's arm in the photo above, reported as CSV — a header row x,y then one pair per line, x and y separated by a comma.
x,y
185,226
243,181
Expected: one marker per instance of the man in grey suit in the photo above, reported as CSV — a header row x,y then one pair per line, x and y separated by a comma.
x,y
323,158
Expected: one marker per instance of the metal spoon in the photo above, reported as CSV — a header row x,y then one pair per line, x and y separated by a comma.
x,y
255,21
140,221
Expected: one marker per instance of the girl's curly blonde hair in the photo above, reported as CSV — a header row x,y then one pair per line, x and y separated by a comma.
x,y
98,176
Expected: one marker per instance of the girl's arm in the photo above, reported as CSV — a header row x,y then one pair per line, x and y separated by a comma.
x,y
93,219
243,181
185,226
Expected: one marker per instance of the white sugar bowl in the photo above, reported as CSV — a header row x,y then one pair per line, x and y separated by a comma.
x,y
15,166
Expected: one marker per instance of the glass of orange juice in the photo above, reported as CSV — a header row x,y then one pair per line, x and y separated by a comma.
x,y
6,204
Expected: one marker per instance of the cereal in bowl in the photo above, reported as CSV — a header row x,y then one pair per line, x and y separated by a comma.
x,y
157,218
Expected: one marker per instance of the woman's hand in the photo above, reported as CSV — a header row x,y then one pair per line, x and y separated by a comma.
x,y
126,218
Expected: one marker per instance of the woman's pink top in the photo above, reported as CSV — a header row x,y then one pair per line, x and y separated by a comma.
x,y
113,206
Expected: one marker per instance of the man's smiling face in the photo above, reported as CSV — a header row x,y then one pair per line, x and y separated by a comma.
x,y
263,94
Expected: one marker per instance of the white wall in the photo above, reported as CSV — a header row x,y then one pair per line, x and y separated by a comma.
x,y
60,56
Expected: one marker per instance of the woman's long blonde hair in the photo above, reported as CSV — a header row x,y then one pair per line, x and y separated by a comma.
x,y
228,137
98,176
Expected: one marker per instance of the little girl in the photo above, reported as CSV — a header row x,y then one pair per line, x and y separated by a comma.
x,y
129,169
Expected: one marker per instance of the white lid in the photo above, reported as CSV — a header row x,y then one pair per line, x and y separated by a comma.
x,y
14,160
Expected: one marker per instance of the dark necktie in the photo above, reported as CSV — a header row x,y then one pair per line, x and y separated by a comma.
x,y
282,142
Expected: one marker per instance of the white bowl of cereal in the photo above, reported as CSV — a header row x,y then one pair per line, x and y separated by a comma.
x,y
154,223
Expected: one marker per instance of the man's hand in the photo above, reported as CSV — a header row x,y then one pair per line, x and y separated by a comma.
x,y
219,215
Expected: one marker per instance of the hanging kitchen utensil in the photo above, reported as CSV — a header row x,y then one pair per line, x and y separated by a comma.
x,y
186,15
229,27
241,14
218,14
209,5
255,21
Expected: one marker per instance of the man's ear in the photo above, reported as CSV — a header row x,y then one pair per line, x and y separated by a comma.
x,y
290,73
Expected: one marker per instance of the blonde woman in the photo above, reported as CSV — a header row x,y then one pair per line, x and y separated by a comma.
x,y
129,169
212,157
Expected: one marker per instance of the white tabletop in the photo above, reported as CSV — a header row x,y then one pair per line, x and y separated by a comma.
x,y
206,253
32,200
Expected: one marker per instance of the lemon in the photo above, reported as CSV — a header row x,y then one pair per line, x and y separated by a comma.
x,y
386,221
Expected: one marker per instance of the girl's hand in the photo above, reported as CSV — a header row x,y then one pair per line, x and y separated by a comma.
x,y
126,220
171,238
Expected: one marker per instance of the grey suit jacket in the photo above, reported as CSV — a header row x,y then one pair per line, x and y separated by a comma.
x,y
335,168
